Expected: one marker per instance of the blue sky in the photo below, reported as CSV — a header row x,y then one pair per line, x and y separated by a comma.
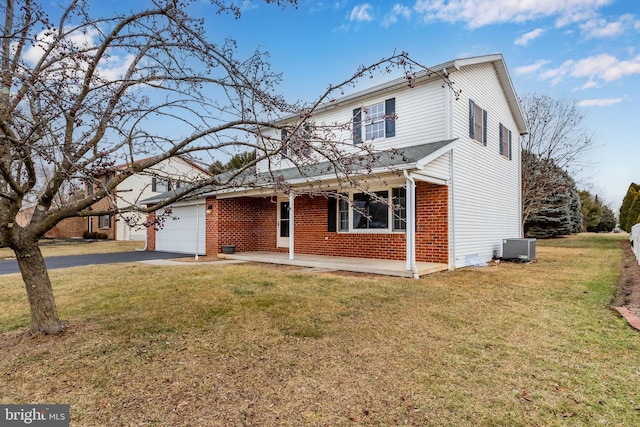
x,y
583,50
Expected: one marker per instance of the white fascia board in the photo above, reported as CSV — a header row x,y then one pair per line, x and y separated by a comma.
x,y
419,176
420,164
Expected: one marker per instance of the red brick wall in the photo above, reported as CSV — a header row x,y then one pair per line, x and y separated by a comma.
x,y
432,223
151,233
250,225
67,228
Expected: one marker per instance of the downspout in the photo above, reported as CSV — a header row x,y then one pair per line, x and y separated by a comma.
x,y
411,226
452,216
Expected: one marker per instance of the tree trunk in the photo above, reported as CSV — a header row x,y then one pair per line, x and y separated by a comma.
x,y
44,316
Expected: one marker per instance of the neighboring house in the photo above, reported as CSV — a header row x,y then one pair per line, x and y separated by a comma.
x,y
450,167
167,175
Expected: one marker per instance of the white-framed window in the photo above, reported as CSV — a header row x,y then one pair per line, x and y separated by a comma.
x,y
296,144
505,141
159,185
104,221
374,121
373,212
477,123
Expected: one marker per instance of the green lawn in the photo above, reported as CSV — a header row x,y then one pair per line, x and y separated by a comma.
x,y
220,345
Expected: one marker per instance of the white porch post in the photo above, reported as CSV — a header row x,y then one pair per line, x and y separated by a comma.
x,y
197,230
411,223
291,226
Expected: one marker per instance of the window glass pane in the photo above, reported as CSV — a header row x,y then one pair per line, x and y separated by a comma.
x,y
374,121
161,186
343,215
477,119
400,209
505,141
103,221
284,219
369,213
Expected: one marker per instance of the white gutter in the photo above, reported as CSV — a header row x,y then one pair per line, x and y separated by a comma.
x,y
411,226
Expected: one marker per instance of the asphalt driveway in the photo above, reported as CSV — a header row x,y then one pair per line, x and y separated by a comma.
x,y
11,266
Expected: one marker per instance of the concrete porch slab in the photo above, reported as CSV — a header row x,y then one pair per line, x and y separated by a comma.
x,y
357,265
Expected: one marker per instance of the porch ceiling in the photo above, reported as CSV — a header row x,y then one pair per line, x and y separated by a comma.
x,y
357,265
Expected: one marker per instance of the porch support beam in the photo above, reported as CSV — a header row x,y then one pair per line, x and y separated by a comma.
x,y
411,225
291,226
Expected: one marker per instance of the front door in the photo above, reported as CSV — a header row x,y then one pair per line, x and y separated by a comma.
x,y
283,224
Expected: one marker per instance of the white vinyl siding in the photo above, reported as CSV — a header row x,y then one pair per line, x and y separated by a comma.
x,y
486,188
138,187
420,118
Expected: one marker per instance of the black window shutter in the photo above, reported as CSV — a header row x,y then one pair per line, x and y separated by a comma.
x,y
390,117
154,184
484,127
501,140
283,138
471,121
509,145
357,125
332,213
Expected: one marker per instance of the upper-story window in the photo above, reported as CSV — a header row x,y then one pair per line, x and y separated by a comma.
x,y
296,144
505,141
159,185
477,123
374,121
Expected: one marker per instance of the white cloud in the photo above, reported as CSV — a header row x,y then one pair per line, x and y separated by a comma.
x,y
602,102
111,67
397,11
478,13
596,69
524,39
80,39
529,69
361,12
600,28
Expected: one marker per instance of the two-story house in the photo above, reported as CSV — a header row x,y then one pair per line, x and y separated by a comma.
x,y
444,188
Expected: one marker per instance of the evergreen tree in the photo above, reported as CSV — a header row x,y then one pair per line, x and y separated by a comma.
x,y
237,161
607,220
591,211
560,211
626,217
634,212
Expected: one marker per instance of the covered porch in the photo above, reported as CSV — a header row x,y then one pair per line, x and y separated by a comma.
x,y
352,264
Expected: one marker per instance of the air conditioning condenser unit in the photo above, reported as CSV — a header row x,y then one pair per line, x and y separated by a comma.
x,y
519,249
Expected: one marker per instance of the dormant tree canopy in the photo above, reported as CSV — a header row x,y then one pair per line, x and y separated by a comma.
x,y
81,94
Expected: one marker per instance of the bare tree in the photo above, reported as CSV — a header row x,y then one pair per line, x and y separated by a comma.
x,y
557,139
83,94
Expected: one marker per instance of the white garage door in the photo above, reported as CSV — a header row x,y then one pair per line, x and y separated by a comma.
x,y
185,233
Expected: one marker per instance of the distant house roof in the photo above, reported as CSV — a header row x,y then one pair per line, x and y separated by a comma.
x,y
379,162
